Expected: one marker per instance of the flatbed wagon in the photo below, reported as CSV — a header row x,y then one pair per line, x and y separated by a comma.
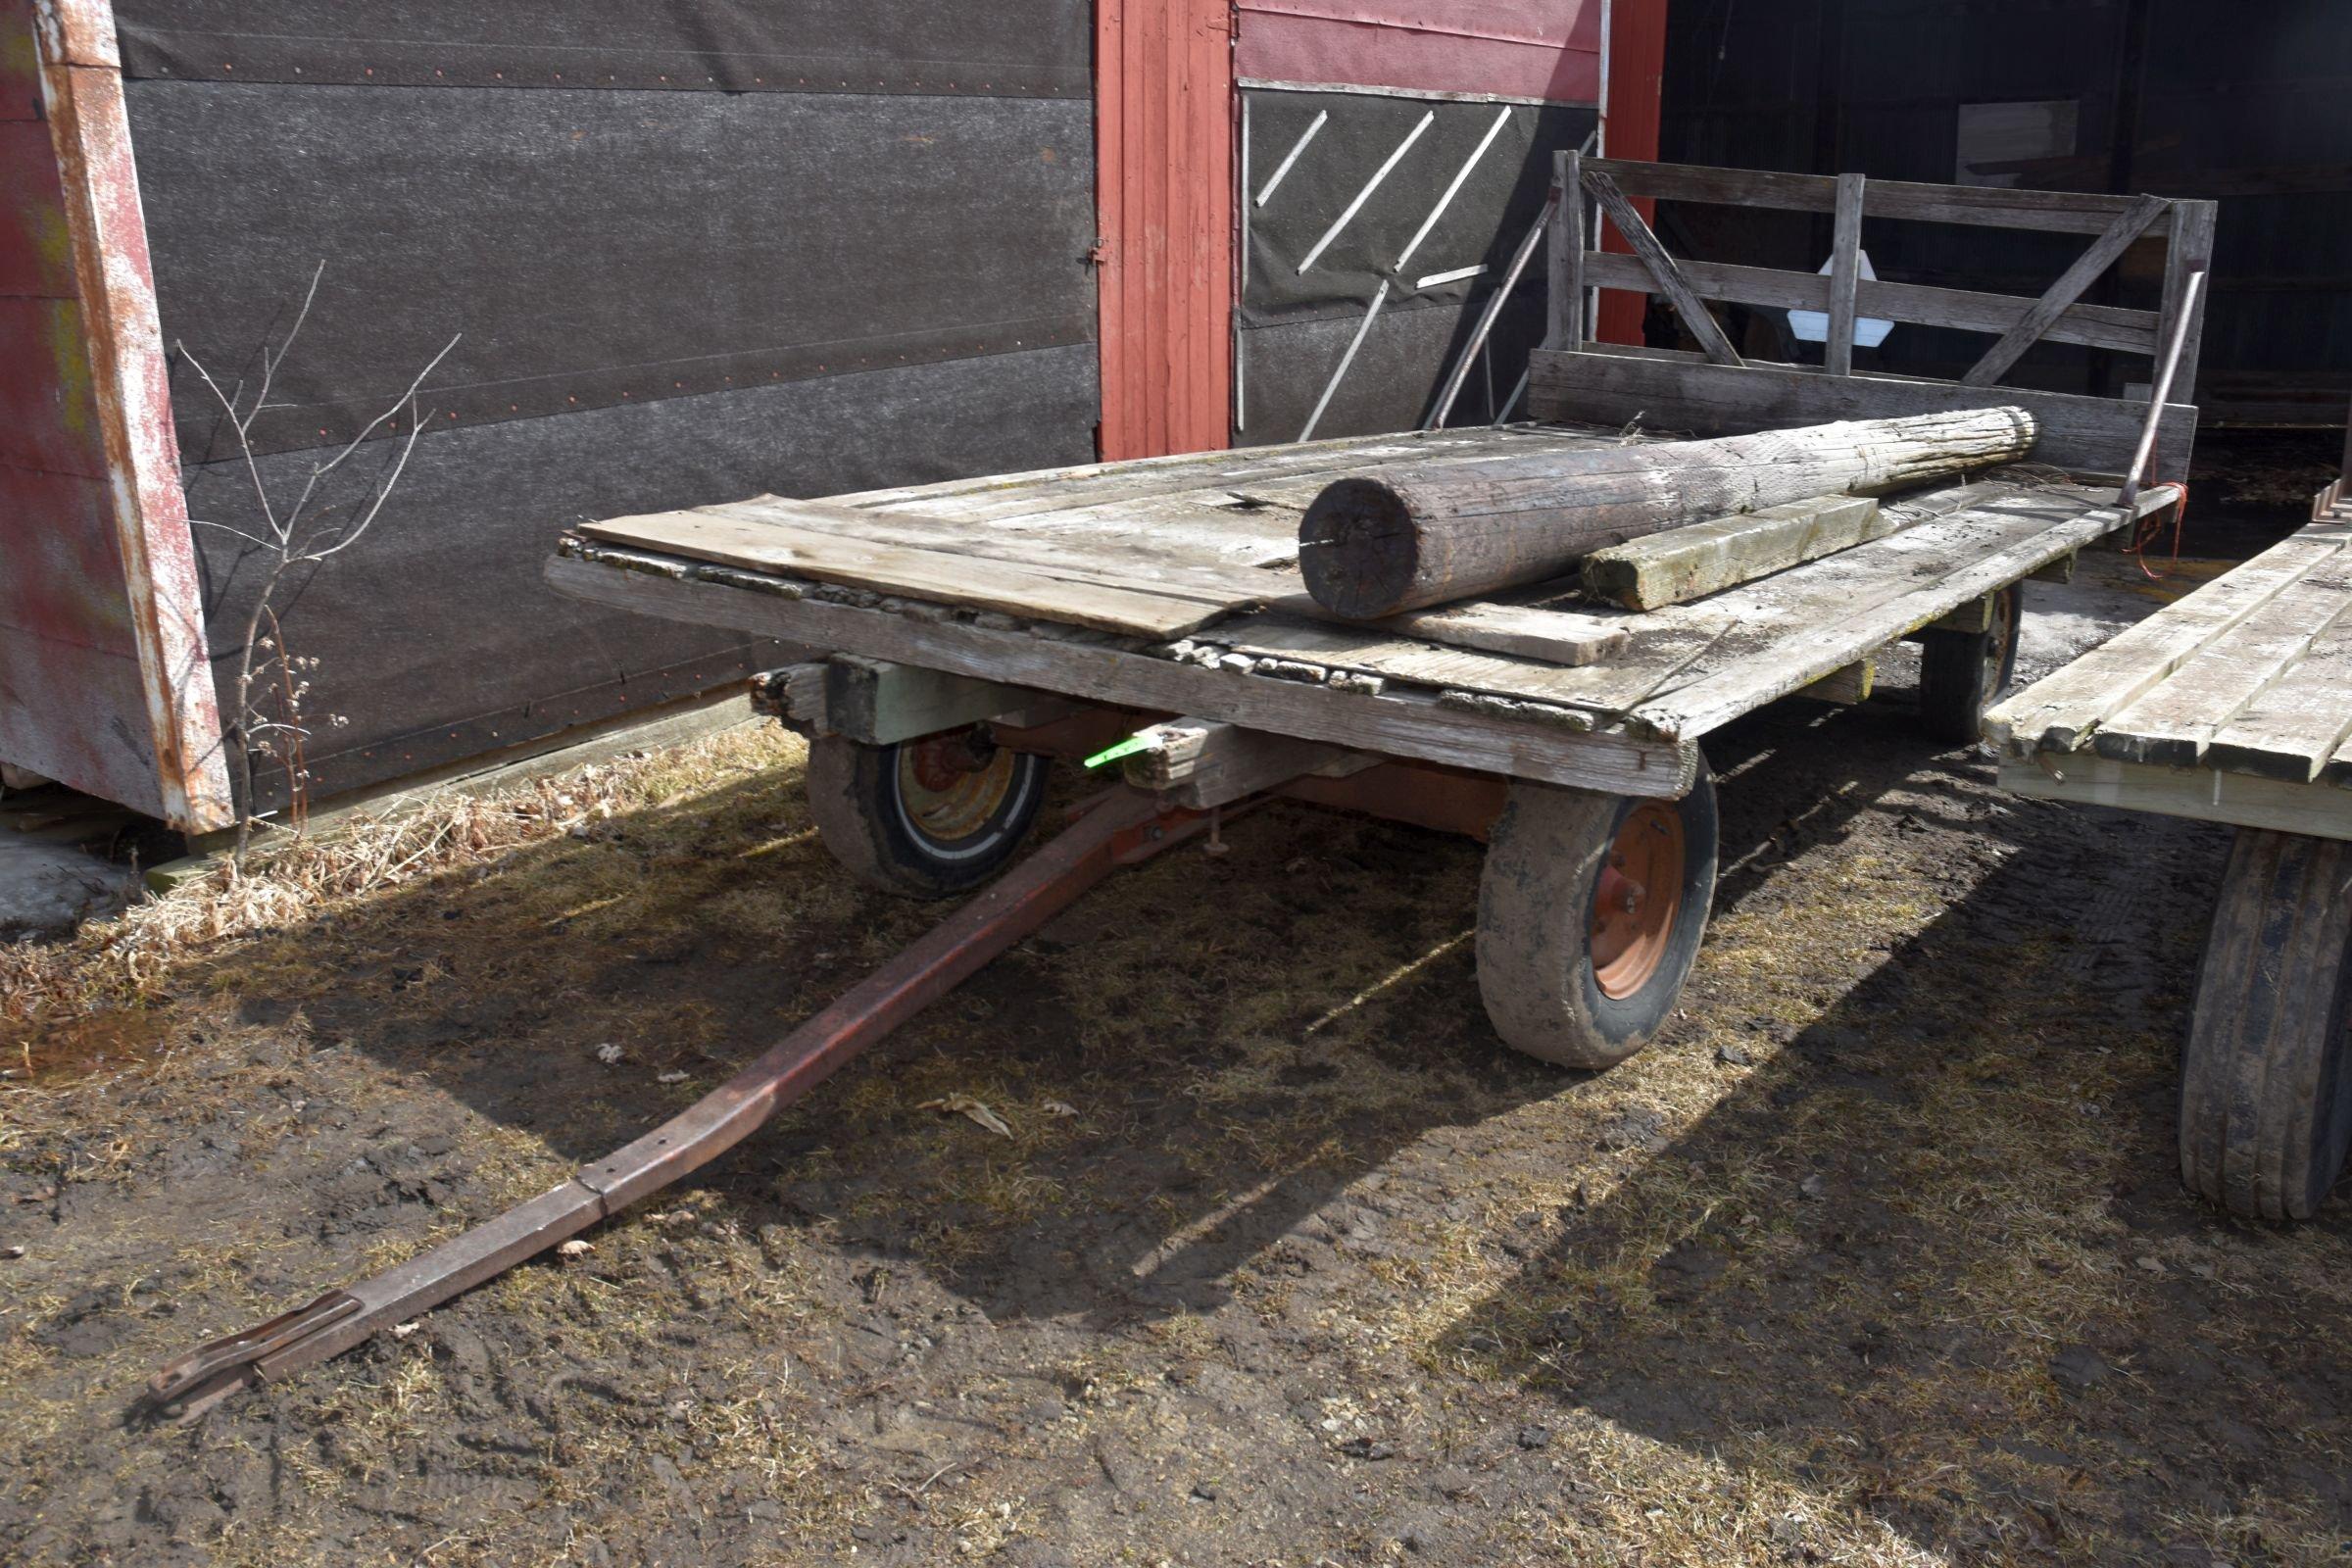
x,y
2234,704
952,640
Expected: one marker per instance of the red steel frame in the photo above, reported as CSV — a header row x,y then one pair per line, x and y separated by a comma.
x,y
1118,829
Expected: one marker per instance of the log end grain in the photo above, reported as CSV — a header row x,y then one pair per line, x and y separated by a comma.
x,y
1358,548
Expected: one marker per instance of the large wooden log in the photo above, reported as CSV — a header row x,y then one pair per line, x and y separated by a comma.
x,y
1424,535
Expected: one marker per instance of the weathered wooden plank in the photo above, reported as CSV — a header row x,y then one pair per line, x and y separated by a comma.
x,y
1163,547
1689,642
2297,726
2062,711
2059,570
930,575
1407,725
1662,270
2082,435
1425,663
1845,270
2204,793
1564,298
1203,763
2189,251
2171,724
1743,672
1550,633
2128,227
1705,558
2104,326
2058,211
1204,473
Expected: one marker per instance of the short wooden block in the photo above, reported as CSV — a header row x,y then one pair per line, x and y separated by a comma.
x,y
1849,685
1681,565
877,703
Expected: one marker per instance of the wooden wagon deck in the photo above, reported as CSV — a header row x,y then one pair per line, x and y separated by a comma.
x,y
2234,704
1173,584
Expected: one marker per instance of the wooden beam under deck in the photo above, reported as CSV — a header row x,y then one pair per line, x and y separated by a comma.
x,y
1393,723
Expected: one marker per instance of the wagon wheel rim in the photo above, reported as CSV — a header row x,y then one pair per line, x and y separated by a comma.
x,y
952,784
1639,895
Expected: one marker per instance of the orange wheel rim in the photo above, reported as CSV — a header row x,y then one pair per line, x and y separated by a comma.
x,y
1640,892
951,784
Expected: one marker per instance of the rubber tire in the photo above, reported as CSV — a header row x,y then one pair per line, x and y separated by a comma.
x,y
1962,673
1535,913
853,795
2266,1092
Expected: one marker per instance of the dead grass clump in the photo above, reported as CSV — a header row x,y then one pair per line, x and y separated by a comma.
x,y
136,958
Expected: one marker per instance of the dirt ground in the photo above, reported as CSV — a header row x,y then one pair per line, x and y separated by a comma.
x,y
1879,1257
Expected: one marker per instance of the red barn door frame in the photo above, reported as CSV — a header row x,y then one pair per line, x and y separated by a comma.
x,y
1163,178
1632,69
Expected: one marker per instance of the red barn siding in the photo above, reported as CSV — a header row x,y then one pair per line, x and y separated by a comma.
x,y
1164,158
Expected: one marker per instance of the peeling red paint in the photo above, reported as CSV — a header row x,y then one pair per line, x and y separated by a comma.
x,y
104,581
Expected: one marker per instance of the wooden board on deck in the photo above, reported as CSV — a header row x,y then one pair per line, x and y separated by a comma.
x,y
1069,593
2188,647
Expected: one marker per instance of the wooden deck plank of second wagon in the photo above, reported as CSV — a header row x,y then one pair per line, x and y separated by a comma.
x,y
2061,712
2293,729
2173,722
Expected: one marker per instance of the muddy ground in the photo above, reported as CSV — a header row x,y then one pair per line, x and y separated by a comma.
x,y
1877,1257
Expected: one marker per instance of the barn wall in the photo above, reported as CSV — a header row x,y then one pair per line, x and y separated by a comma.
x,y
1483,92
688,251
2241,103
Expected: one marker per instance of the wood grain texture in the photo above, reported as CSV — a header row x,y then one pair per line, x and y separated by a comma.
x,y
1689,563
2176,719
1405,724
1405,537
1664,273
2062,711
2204,795
2084,435
2103,252
2106,326
1845,273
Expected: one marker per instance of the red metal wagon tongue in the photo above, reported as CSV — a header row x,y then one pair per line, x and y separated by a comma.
x,y
1118,828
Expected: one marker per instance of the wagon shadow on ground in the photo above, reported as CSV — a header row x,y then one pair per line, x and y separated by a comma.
x,y
1209,1067
1931,1259
1192,1061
